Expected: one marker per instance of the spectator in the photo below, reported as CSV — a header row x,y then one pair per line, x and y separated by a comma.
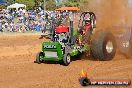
x,y
12,27
1,30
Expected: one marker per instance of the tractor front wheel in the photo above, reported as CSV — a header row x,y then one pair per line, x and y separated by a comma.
x,y
39,57
66,59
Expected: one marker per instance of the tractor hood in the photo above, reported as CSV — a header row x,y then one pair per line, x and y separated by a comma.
x,y
52,51
51,45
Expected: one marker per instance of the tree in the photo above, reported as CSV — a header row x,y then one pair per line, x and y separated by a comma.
x,y
10,1
50,4
29,3
72,3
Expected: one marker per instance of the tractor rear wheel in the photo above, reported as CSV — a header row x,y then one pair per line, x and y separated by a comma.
x,y
39,57
103,46
129,54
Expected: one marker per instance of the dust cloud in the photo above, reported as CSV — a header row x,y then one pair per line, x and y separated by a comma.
x,y
111,12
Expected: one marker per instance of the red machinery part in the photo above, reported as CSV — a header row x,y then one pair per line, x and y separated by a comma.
x,y
62,29
87,27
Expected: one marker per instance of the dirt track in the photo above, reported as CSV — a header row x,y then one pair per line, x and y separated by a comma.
x,y
18,70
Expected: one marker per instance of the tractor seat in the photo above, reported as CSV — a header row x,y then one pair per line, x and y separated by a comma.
x,y
62,29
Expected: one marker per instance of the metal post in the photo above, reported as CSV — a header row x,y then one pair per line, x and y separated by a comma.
x,y
44,5
71,17
44,14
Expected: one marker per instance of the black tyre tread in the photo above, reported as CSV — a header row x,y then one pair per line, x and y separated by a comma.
x,y
37,58
130,48
65,60
97,47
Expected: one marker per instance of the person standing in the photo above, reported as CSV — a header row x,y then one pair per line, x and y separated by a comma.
x,y
1,30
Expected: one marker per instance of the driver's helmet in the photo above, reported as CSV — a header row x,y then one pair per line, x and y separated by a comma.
x,y
87,16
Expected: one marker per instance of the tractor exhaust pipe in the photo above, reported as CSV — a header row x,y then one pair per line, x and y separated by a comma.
x,y
71,17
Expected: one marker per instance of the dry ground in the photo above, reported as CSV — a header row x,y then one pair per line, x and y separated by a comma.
x,y
18,70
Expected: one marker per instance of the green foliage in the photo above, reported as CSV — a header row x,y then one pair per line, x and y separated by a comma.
x,y
84,5
50,4
2,6
72,3
10,1
29,3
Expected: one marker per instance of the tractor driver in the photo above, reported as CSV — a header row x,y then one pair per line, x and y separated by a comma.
x,y
87,18
87,29
87,24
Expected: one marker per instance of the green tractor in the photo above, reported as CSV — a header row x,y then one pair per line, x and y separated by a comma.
x,y
65,44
